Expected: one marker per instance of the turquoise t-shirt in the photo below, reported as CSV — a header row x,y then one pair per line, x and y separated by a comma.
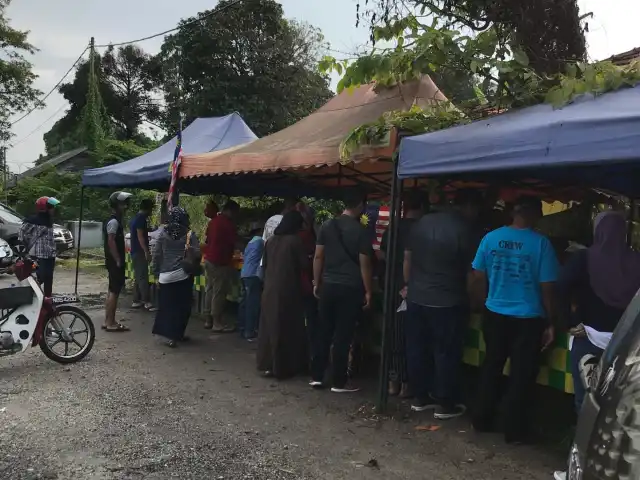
x,y
516,262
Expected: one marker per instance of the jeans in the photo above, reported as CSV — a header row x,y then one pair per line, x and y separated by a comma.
x,y
46,266
340,307
249,309
519,339
434,341
141,292
581,347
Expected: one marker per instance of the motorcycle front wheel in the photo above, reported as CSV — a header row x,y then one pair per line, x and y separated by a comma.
x,y
68,335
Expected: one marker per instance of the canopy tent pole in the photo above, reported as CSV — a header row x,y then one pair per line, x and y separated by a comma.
x,y
79,237
390,288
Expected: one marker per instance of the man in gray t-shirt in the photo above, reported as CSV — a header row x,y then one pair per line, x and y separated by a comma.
x,y
437,260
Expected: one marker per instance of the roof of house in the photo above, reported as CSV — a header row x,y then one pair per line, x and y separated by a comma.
x,y
51,163
626,57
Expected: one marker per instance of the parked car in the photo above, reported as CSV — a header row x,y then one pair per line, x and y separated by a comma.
x,y
7,256
607,441
10,222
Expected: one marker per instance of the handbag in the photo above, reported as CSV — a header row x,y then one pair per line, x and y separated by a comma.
x,y
191,262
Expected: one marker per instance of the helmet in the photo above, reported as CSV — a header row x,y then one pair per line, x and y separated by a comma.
x,y
44,203
119,198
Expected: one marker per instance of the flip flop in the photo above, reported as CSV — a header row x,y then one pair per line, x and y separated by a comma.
x,y
118,327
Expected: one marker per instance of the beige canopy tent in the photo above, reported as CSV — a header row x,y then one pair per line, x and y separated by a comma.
x,y
304,159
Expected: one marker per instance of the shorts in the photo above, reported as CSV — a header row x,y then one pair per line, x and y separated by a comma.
x,y
116,278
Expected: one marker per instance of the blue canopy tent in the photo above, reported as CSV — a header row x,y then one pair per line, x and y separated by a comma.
x,y
151,170
592,142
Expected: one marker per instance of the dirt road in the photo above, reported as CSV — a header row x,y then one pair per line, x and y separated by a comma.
x,y
136,410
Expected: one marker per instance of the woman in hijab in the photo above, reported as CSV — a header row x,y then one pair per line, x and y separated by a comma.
x,y
176,243
600,281
281,337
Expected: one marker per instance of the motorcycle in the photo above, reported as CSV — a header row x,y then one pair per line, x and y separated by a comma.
x,y
64,332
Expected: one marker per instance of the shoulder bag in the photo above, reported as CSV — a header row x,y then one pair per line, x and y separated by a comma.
x,y
339,237
191,262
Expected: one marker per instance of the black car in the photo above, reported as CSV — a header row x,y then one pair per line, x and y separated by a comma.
x,y
607,441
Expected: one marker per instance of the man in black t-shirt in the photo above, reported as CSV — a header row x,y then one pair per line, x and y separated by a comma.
x,y
342,273
114,253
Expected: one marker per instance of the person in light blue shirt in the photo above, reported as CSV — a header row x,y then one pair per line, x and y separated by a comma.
x,y
251,275
514,271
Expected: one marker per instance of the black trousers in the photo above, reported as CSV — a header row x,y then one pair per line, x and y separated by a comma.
x,y
519,339
340,307
46,266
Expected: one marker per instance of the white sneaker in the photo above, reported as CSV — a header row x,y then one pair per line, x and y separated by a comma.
x,y
137,305
345,389
314,384
560,475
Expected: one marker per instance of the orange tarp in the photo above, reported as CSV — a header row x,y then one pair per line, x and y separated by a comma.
x,y
313,142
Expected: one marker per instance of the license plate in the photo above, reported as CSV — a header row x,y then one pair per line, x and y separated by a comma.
x,y
65,298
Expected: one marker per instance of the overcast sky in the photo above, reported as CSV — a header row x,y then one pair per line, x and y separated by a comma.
x,y
61,29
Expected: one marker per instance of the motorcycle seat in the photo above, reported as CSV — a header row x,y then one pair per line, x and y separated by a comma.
x,y
14,297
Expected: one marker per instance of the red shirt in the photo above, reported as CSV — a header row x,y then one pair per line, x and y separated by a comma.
x,y
221,241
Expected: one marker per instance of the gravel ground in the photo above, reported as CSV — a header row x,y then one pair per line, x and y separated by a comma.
x,y
136,410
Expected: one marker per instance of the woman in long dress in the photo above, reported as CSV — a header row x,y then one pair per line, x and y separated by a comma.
x,y
282,342
176,285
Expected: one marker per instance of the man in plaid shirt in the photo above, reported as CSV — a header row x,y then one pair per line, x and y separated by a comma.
x,y
36,234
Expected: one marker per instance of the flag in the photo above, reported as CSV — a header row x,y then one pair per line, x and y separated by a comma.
x,y
382,223
173,196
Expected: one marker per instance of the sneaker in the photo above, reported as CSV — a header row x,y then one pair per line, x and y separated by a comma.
x,y
315,384
559,475
447,413
345,389
150,308
137,305
422,406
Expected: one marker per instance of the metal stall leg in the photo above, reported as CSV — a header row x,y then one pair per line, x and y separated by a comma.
x,y
79,238
390,289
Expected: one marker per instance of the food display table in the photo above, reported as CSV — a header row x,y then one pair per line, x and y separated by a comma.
x,y
555,367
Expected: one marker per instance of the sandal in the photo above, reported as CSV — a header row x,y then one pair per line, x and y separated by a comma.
x,y
118,327
171,343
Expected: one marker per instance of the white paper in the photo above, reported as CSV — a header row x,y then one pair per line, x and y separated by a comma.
x,y
403,306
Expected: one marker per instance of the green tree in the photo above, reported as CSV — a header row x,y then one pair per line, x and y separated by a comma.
x,y
245,59
133,76
549,32
125,80
17,93
66,186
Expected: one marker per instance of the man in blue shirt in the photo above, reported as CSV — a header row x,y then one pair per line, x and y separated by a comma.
x,y
519,266
140,255
251,275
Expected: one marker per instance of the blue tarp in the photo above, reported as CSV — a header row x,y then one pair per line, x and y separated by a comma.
x,y
600,135
151,170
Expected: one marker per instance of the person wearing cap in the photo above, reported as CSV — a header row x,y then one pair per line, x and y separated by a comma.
x,y
36,234
515,269
251,275
114,251
437,262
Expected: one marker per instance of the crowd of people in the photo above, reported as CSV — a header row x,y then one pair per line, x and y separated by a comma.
x,y
304,293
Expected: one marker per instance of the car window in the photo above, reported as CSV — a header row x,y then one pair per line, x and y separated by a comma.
x,y
8,216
